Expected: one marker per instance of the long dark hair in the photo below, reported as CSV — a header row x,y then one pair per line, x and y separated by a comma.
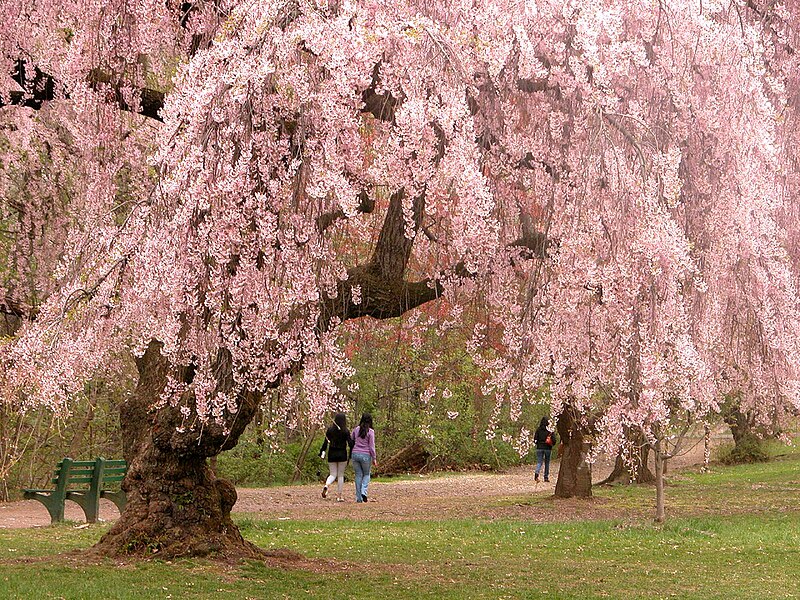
x,y
544,423
340,420
365,425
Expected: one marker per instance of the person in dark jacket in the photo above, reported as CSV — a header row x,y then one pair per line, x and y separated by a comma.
x,y
337,443
544,440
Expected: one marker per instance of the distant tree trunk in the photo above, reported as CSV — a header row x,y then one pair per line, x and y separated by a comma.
x,y
574,474
740,423
176,506
639,472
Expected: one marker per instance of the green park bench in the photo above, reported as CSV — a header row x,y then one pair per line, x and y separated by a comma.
x,y
83,482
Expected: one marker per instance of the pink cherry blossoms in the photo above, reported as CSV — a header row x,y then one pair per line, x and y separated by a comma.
x,y
649,147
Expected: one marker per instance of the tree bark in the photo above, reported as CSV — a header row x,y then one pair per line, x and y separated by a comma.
x,y
176,506
575,473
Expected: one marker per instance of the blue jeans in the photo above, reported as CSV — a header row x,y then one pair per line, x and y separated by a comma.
x,y
543,455
361,465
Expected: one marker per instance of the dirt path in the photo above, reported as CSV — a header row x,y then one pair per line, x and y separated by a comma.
x,y
453,495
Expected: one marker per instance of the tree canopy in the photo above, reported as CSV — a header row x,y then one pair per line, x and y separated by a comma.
x,y
218,185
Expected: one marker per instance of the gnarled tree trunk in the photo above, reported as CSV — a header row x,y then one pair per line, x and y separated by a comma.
x,y
176,506
575,473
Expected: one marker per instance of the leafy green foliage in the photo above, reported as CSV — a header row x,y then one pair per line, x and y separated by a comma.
x,y
431,393
32,443
254,464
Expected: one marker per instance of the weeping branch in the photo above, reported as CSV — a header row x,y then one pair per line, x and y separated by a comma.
x,y
150,101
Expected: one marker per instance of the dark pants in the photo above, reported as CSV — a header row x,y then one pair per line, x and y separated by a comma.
x,y
543,455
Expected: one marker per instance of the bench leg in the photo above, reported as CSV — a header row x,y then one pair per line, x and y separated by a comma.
x,y
119,498
53,504
89,502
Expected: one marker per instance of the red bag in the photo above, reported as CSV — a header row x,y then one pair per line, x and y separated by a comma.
x,y
549,440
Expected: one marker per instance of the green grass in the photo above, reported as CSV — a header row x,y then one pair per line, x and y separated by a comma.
x,y
742,489
708,557
736,535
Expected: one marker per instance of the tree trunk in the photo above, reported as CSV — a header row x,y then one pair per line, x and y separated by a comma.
x,y
740,423
638,472
176,506
574,474
659,482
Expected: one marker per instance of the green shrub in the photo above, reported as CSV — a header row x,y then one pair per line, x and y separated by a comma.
x,y
251,464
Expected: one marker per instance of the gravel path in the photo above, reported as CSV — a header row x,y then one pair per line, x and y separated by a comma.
x,y
438,496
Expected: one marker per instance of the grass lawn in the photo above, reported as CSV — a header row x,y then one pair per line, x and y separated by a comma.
x,y
732,533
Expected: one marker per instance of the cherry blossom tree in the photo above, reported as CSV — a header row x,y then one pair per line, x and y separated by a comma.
x,y
611,181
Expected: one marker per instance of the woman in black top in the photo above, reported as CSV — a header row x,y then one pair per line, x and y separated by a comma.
x,y
337,443
544,440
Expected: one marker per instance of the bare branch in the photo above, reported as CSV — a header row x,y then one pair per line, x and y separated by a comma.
x,y
366,206
38,87
381,106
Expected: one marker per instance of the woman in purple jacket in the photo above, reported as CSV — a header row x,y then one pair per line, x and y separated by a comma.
x,y
363,455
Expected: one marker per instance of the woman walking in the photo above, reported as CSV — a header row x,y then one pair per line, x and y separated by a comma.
x,y
363,455
337,442
544,440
